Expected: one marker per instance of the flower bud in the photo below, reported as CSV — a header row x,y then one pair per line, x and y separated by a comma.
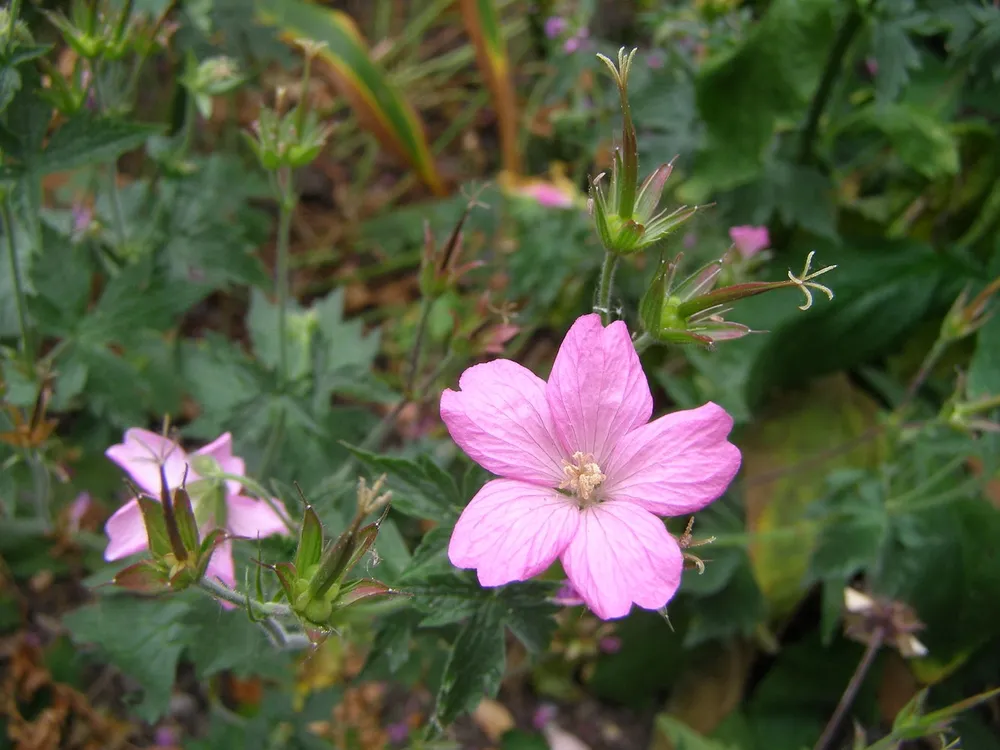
x,y
965,318
214,76
439,269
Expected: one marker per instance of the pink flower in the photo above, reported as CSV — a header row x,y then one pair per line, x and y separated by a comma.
x,y
217,501
584,474
547,194
749,240
555,26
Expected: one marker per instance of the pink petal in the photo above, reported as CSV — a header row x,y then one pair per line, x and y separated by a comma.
x,y
221,449
597,391
126,532
512,530
250,517
620,555
221,568
141,455
501,419
749,240
676,464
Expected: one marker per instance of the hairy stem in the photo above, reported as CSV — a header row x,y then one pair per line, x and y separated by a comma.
x,y
15,274
605,285
259,609
643,342
851,691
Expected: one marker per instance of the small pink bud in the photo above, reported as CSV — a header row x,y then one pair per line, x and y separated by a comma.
x,y
610,644
749,240
555,26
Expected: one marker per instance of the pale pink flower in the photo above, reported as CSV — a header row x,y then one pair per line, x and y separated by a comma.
x,y
584,474
217,502
749,240
547,194
555,26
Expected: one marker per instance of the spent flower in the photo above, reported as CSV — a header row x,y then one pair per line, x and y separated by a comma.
x,y
583,473
692,311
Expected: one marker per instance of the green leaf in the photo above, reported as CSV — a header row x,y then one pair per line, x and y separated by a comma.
x,y
801,196
767,79
474,667
10,84
984,368
421,488
895,54
430,558
87,139
897,286
851,532
143,638
919,139
9,326
61,280
682,737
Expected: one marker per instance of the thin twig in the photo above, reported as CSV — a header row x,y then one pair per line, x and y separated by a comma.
x,y
851,691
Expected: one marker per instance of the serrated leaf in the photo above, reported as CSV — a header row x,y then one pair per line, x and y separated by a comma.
x,y
768,78
142,638
86,139
475,666
430,558
422,488
895,55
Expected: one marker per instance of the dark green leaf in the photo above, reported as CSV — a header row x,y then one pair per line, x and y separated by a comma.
x,y
10,84
682,737
421,488
475,666
894,54
86,139
143,638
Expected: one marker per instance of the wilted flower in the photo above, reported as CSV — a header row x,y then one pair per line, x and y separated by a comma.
x,y
584,472
749,240
890,621
217,500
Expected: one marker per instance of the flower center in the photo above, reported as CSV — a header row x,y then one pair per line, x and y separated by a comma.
x,y
583,475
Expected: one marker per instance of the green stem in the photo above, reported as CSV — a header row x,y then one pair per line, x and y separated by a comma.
x,y
15,273
935,353
13,11
418,345
605,285
834,62
852,689
287,200
259,609
643,343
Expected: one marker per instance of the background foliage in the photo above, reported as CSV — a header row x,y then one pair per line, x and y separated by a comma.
x,y
142,256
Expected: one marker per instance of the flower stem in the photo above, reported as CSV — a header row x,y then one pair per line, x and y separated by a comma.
x,y
851,691
819,101
259,609
935,353
15,273
286,206
411,378
643,343
605,285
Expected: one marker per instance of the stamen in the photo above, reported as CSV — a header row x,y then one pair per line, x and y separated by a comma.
x,y
583,476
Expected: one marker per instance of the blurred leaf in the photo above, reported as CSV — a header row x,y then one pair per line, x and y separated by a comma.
x,y
897,287
894,52
919,139
786,455
801,196
9,326
10,83
141,637
682,737
86,139
854,522
516,739
475,665
483,25
984,368
421,488
710,689
360,80
651,655
767,79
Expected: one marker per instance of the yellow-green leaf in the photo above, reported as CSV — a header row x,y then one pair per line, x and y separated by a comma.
x,y
786,458
376,102
483,24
